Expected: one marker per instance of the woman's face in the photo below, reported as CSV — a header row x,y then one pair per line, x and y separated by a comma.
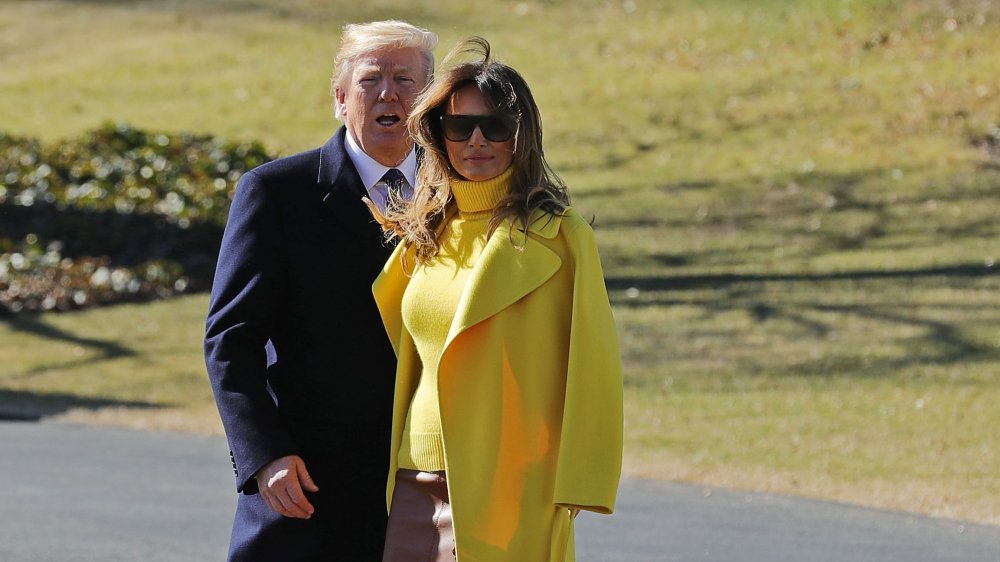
x,y
476,157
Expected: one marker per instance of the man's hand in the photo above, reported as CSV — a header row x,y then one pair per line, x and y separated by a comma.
x,y
281,483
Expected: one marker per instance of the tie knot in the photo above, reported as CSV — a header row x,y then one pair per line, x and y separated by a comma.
x,y
394,179
395,184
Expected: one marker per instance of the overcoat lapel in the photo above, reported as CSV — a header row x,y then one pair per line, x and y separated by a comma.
x,y
342,191
506,273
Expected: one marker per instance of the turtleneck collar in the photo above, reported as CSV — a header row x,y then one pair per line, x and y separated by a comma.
x,y
473,197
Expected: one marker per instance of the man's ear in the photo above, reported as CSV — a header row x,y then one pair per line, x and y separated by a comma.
x,y
341,97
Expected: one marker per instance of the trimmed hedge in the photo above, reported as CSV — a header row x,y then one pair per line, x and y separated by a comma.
x,y
118,214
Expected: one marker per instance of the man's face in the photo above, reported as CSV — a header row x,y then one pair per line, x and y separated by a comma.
x,y
376,99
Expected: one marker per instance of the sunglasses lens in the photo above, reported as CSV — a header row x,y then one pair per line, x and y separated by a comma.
x,y
495,130
458,128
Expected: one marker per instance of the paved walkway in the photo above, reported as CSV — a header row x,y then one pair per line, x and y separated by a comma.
x,y
86,493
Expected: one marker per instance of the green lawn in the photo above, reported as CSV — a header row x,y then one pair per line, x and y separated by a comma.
x,y
797,206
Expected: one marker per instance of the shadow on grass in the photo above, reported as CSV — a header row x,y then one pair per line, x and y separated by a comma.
x,y
17,405
33,406
820,212
942,343
727,280
936,342
33,325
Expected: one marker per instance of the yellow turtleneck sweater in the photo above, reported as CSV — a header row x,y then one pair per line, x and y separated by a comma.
x,y
429,306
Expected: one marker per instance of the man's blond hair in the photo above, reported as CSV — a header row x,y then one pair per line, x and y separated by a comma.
x,y
360,39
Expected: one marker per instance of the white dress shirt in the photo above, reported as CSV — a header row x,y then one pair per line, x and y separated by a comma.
x,y
371,172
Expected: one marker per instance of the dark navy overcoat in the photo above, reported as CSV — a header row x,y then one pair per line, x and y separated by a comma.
x,y
298,357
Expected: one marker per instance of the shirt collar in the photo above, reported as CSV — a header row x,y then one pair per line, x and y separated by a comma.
x,y
370,170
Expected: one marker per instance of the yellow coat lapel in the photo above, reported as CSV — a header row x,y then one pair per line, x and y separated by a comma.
x,y
502,276
388,290
511,266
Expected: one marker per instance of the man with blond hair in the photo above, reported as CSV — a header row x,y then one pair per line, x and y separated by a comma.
x,y
298,358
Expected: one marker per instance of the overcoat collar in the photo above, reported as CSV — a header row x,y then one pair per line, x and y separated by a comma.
x,y
335,166
512,265
341,191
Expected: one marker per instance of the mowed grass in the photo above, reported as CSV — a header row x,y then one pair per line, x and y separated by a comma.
x,y
134,365
797,206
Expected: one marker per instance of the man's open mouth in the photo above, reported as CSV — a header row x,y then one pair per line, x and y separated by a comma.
x,y
388,120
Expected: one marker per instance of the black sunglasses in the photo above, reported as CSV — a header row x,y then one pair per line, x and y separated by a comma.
x,y
458,128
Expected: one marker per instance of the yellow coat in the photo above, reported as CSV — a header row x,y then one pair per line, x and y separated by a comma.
x,y
530,391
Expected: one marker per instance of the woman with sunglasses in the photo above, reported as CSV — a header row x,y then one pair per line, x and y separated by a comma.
x,y
508,404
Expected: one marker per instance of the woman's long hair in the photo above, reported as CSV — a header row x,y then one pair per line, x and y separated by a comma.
x,y
534,185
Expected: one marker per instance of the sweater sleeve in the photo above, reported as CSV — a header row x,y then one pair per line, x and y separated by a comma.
x,y
590,447
245,296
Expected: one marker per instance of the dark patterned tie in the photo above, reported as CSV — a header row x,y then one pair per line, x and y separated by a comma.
x,y
395,183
